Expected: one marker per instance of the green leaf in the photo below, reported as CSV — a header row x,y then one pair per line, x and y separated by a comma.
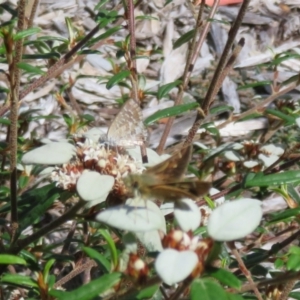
x,y
293,263
100,4
92,253
6,259
18,280
273,179
146,17
90,290
4,89
23,181
184,38
293,193
283,57
29,257
27,32
30,69
6,6
289,119
284,215
220,109
206,289
47,268
166,88
279,263
117,78
71,30
68,119
294,250
53,38
295,295
104,17
88,117
52,55
112,246
39,201
147,293
226,277
105,35
170,112
4,121
254,84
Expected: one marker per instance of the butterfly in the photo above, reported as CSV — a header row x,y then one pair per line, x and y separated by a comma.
x,y
165,180
127,129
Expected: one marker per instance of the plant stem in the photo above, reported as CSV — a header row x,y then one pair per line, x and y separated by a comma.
x,y
46,229
218,73
195,49
14,102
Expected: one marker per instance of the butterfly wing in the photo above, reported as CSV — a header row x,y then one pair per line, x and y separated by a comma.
x,y
174,192
172,169
127,129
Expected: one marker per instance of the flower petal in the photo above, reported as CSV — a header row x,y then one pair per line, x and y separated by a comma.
x,y
234,220
167,208
189,216
94,187
151,240
135,218
173,266
55,153
94,134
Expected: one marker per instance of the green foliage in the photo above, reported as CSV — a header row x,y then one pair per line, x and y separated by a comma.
x,y
55,232
90,290
170,112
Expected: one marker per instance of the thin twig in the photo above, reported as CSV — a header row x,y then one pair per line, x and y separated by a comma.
x,y
21,244
15,74
196,47
218,73
131,61
244,269
268,282
55,70
262,105
228,67
87,265
288,287
32,13
132,50
180,290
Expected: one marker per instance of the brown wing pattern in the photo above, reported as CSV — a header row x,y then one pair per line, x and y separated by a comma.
x,y
128,128
172,169
192,190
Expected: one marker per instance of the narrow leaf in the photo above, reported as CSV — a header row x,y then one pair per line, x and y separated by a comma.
x,y
206,289
105,35
111,245
27,32
117,78
170,112
273,179
184,38
6,259
19,280
220,109
92,253
41,55
30,69
226,277
166,88
90,290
